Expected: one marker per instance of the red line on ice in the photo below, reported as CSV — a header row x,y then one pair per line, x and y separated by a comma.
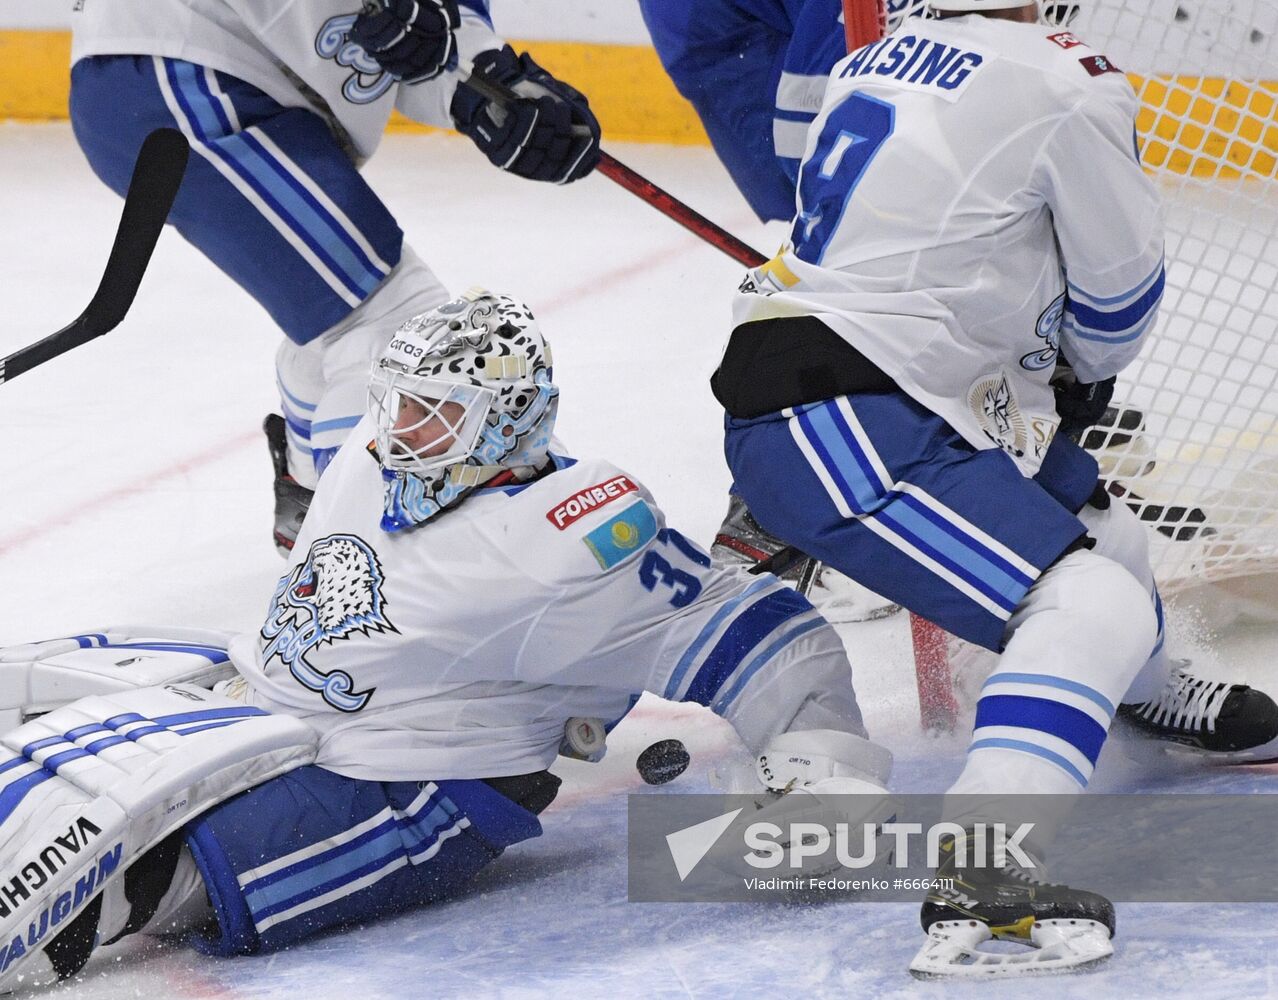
x,y
140,485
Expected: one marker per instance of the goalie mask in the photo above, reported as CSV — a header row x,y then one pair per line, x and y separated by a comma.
x,y
462,395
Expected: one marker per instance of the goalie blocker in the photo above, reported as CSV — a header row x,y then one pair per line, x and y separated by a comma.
x,y
121,810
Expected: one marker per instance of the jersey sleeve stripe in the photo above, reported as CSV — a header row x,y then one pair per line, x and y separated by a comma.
x,y
742,637
336,424
768,655
1122,319
302,428
800,92
1099,301
298,403
789,139
1070,327
711,627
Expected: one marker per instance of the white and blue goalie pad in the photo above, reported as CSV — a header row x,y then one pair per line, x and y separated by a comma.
x,y
38,677
88,789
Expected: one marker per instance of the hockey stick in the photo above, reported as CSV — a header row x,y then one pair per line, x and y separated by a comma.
x,y
671,207
638,185
616,171
152,189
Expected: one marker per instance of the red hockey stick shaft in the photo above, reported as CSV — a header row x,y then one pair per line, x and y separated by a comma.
x,y
673,208
663,201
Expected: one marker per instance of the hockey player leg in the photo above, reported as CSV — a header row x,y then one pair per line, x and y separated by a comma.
x,y
1076,640
818,780
324,384
349,349
162,893
814,760
742,540
1167,700
343,851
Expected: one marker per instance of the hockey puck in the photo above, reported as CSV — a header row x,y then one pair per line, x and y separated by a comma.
x,y
663,761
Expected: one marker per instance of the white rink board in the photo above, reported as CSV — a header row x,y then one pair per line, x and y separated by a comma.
x,y
560,20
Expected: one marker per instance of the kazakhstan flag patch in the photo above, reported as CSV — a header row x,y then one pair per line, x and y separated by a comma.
x,y
619,536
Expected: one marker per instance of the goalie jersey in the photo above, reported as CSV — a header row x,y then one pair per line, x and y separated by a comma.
x,y
295,51
971,207
460,648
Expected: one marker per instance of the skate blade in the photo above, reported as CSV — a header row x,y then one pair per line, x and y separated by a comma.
x,y
1055,946
1264,753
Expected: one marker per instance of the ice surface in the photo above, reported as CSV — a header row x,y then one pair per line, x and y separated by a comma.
x,y
135,487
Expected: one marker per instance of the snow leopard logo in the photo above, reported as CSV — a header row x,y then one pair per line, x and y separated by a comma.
x,y
368,82
334,594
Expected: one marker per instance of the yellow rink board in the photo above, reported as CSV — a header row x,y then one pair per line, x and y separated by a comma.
x,y
1205,126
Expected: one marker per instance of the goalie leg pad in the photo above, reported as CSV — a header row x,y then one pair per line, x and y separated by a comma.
x,y
89,789
38,677
313,850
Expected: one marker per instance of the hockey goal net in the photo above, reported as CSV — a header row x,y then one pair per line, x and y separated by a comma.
x,y
1191,443
1194,446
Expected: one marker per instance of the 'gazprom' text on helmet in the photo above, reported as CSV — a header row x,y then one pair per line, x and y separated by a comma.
x,y
462,394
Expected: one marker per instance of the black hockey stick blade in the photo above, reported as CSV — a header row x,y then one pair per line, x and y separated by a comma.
x,y
152,190
786,559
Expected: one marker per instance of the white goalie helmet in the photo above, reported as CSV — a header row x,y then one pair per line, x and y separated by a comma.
x,y
1050,12
462,394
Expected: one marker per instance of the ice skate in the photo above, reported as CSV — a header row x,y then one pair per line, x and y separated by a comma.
x,y
1212,717
291,498
1063,929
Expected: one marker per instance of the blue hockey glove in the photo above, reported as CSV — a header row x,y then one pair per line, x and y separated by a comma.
x,y
546,133
412,40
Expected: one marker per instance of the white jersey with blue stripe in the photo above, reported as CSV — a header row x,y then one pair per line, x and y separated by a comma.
x,y
817,42
460,648
971,204
295,51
